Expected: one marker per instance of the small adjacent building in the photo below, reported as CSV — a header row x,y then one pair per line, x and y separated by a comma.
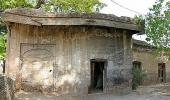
x,y
69,53
156,67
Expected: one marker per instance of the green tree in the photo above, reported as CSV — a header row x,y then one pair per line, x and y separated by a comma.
x,y
7,4
158,25
55,5
2,45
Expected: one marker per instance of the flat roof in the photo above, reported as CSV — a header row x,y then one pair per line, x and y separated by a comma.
x,y
40,18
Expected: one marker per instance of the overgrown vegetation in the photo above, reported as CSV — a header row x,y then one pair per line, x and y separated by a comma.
x,y
138,77
2,44
139,19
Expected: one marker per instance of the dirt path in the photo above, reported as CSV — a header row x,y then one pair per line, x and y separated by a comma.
x,y
132,96
155,92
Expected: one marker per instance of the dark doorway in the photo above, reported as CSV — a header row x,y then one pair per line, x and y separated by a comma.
x,y
161,72
137,65
97,76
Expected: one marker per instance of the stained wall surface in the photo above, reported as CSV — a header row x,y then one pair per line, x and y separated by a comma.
x,y
57,58
149,63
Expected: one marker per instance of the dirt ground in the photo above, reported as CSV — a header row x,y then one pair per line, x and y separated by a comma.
x,y
154,92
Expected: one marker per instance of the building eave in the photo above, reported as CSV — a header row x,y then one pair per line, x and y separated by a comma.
x,y
40,18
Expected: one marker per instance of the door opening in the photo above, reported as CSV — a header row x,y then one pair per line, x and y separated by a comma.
x,y
161,72
97,76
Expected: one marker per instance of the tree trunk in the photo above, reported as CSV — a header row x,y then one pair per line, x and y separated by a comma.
x,y
39,3
3,66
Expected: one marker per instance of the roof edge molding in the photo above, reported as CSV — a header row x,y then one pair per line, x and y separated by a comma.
x,y
40,18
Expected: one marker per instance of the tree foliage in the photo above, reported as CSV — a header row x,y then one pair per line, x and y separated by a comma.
x,y
75,5
158,24
55,5
2,42
9,4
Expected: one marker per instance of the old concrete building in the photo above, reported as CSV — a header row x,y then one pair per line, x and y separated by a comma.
x,y
69,53
155,66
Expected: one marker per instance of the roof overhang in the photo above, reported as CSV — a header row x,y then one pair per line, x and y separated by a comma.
x,y
40,18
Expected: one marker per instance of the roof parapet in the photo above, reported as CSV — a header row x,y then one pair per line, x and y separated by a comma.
x,y
39,18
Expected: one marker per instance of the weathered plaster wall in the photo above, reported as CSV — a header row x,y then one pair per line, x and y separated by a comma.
x,y
72,48
149,61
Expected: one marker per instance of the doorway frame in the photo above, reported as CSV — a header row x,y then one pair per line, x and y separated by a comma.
x,y
105,61
163,68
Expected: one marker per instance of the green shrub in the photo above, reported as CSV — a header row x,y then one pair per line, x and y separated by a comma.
x,y
138,76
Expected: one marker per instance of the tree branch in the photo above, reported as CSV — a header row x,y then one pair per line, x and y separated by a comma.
x,y
39,3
